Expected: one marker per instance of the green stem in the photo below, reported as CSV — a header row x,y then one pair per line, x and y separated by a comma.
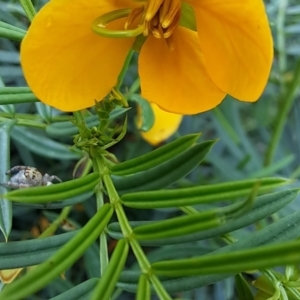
x,y
80,123
47,271
103,254
281,47
124,69
134,87
282,115
27,123
79,119
127,233
226,125
189,210
56,223
34,117
159,288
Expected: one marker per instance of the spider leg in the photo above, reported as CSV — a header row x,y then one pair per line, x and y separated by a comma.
x,y
55,177
48,179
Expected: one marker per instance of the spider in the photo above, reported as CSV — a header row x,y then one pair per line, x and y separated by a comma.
x,y
25,177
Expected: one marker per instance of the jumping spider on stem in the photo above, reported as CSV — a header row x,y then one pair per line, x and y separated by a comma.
x,y
23,177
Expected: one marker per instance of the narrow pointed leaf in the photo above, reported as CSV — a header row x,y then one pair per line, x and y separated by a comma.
x,y
199,194
44,111
11,32
166,173
28,8
143,291
107,283
155,157
59,204
286,229
42,145
238,261
55,192
10,95
14,90
243,288
264,206
63,258
178,226
80,291
5,206
9,109
27,253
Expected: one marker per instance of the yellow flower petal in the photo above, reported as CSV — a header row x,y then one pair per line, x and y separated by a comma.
x,y
176,80
165,125
67,65
237,45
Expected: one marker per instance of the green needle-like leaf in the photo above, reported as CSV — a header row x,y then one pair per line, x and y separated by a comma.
x,y
263,207
238,261
199,194
166,173
14,95
155,157
286,229
11,32
61,260
107,283
5,206
45,111
28,8
43,145
178,226
81,291
80,198
242,288
55,192
143,291
21,254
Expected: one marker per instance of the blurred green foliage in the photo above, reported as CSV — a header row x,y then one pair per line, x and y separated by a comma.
x,y
254,140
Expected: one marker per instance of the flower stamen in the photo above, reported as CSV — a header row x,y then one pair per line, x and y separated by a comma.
x,y
162,17
155,27
169,31
158,17
164,10
152,8
174,8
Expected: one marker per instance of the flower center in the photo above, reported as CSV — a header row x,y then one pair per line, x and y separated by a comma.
x,y
159,17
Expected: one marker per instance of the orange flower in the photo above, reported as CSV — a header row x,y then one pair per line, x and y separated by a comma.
x,y
68,66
